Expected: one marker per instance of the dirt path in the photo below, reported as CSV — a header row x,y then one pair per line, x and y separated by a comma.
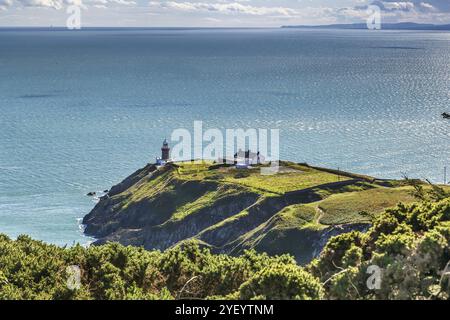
x,y
319,215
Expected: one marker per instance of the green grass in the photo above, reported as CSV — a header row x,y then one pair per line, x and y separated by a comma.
x,y
339,206
194,170
295,216
206,200
294,178
147,188
265,217
291,177
294,229
290,230
347,207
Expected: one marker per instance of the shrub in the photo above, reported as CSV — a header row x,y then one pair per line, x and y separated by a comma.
x,y
409,244
282,282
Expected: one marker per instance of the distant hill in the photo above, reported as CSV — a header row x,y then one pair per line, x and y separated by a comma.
x,y
385,26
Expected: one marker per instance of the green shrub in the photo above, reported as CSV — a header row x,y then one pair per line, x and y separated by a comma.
x,y
282,282
409,245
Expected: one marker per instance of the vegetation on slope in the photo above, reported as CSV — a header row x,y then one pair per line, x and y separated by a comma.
x,y
230,210
31,269
361,206
409,244
290,178
194,210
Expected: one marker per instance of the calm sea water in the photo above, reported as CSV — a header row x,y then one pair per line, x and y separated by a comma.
x,y
79,111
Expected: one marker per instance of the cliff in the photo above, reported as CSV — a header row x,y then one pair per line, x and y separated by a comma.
x,y
229,210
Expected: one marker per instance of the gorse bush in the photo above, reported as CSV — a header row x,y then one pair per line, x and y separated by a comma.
x,y
31,269
281,282
409,245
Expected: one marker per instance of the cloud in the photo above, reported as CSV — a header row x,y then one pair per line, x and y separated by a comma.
x,y
399,6
438,5
426,5
59,4
442,6
237,12
393,10
429,11
4,4
225,8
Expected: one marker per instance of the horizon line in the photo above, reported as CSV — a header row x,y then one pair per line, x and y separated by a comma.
x,y
222,27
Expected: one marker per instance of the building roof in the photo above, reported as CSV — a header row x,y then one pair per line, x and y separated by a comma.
x,y
246,154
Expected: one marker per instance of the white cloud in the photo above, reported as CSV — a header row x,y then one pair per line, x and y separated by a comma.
x,y
426,5
4,4
401,5
434,5
124,2
225,8
59,4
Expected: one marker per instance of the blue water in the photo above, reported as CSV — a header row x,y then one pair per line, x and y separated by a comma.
x,y
79,111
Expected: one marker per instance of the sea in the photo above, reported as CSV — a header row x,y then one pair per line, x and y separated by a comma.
x,y
81,110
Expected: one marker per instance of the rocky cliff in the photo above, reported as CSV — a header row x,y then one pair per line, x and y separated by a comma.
x,y
229,210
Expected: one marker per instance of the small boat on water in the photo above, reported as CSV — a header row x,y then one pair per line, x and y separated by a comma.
x,y
446,115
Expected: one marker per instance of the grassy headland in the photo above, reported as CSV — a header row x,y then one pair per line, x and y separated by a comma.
x,y
339,225
229,210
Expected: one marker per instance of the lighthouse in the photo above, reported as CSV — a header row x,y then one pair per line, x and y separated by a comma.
x,y
165,151
165,154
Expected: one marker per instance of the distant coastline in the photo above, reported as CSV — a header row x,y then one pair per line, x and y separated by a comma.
x,y
385,26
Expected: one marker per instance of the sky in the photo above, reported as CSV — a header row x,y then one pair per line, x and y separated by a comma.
x,y
216,13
